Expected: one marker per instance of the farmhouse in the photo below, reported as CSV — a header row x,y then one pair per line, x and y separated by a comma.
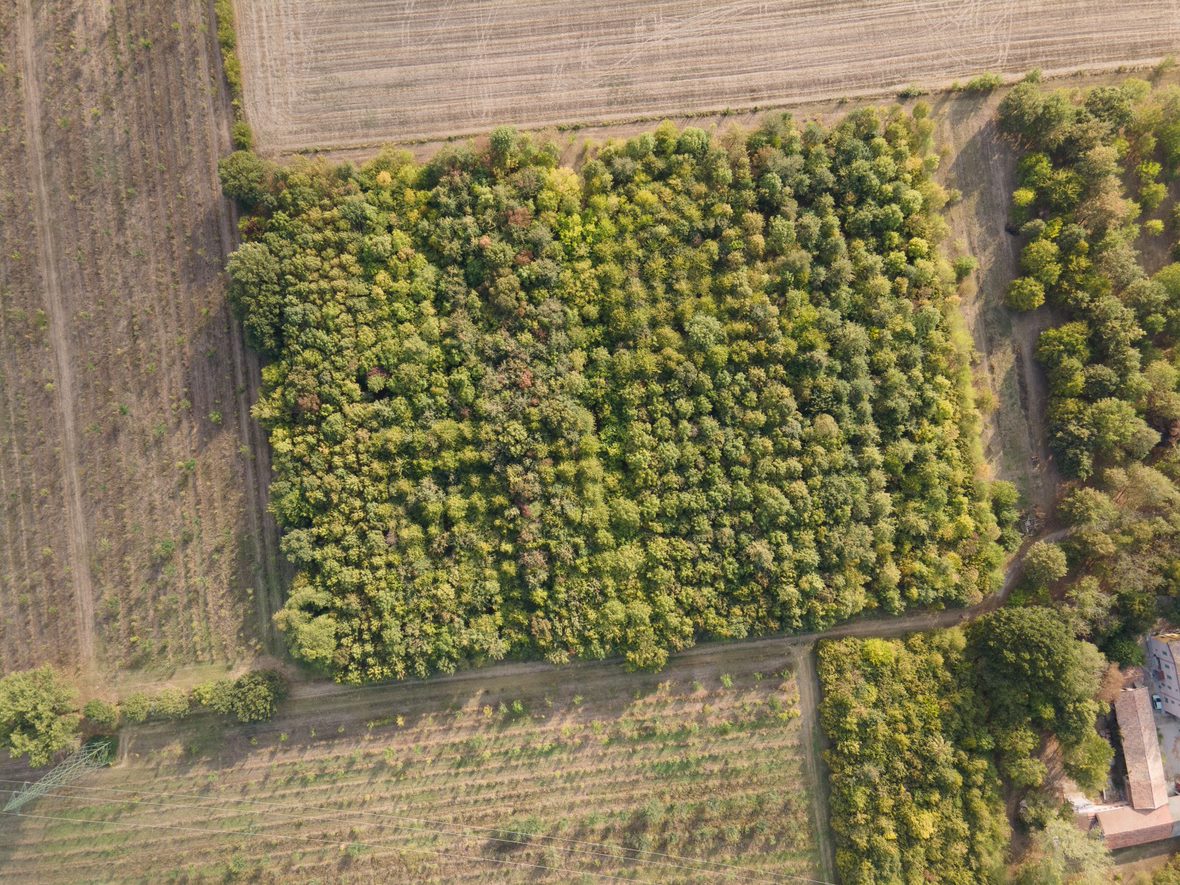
x,y
1147,814
1163,657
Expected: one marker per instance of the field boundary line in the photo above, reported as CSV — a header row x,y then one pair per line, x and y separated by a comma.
x,y
64,377
268,598
813,741
288,146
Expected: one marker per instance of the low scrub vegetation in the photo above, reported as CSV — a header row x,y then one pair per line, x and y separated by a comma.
x,y
698,388
40,717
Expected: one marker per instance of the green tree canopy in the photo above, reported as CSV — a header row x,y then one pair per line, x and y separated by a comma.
x,y
1032,672
692,389
1062,854
1043,564
38,716
915,797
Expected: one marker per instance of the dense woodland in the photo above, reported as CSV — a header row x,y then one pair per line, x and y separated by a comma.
x,y
699,387
1097,224
923,729
927,732
909,802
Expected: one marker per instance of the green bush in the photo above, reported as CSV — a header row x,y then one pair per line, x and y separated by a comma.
x,y
984,83
243,136
216,695
1005,499
101,714
1025,293
257,695
38,716
170,703
964,267
136,707
254,697
245,177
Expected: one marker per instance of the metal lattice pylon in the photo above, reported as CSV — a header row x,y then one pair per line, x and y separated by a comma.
x,y
90,757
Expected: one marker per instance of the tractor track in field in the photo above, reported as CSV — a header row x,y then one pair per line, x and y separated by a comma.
x,y
364,72
63,368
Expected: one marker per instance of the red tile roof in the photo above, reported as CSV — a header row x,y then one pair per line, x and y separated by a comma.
x,y
1145,767
1124,827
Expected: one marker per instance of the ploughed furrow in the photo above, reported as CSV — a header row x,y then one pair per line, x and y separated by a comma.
x,y
132,125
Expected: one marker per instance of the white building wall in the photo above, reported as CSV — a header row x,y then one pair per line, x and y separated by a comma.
x,y
1165,673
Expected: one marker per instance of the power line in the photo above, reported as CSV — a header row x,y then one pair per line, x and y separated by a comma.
x,y
431,826
85,759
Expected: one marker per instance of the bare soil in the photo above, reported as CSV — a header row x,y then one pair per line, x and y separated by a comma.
x,y
981,165
133,512
365,72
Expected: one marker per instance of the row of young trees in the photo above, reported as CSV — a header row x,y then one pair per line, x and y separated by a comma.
x,y
1093,193
923,729
700,387
40,717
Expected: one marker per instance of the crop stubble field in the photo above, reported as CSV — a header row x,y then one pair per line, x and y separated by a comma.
x,y
362,72
679,776
131,524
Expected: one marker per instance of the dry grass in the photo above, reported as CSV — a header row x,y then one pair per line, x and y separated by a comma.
x,y
672,777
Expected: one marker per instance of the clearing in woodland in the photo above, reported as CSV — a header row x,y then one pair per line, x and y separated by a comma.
x,y
523,773
363,72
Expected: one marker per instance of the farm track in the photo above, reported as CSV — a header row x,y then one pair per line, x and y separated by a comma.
x,y
36,595
982,168
48,258
366,72
248,387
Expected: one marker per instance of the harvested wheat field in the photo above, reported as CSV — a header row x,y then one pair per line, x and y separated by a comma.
x,y
529,773
357,72
131,527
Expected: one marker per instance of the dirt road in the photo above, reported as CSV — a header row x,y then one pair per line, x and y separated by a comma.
x,y
363,72
48,258
982,168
